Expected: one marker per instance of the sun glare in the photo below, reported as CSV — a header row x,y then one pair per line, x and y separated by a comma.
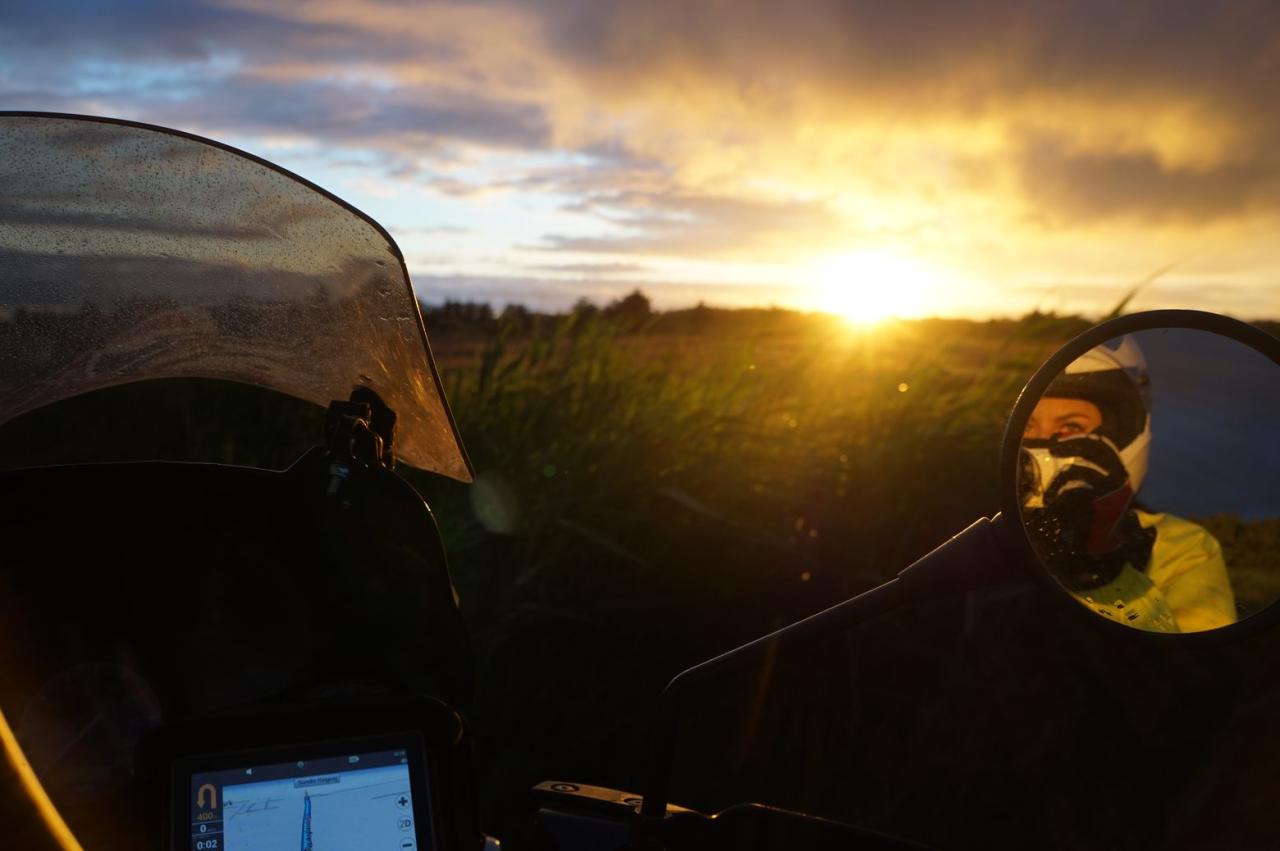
x,y
866,287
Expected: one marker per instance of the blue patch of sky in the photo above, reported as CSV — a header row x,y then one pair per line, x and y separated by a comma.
x,y
366,79
168,80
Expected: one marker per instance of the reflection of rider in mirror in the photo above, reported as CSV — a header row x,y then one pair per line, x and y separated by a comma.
x,y
1084,457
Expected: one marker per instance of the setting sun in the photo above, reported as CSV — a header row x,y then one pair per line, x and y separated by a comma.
x,y
867,287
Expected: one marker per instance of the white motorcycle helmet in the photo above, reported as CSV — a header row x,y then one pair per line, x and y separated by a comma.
x,y
1114,377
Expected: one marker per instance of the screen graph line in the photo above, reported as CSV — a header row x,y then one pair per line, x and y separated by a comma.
x,y
306,822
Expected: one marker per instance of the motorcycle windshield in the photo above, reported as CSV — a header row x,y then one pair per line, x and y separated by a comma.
x,y
130,253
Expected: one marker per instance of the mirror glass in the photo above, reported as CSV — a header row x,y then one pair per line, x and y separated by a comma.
x,y
1147,480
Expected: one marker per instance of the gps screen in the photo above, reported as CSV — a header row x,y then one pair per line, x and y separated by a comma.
x,y
330,803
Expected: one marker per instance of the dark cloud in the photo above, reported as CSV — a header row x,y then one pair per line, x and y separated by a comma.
x,y
404,121
752,41
696,225
1079,188
137,29
922,49
598,176
201,65
193,31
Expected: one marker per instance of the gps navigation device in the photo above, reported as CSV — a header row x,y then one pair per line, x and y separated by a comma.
x,y
369,793
350,777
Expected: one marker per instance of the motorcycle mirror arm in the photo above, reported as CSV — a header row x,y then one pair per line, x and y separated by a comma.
x,y
977,557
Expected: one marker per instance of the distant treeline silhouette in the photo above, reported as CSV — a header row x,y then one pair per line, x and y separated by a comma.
x,y
635,313
630,312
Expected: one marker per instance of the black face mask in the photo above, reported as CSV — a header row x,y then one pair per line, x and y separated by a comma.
x,y
1086,531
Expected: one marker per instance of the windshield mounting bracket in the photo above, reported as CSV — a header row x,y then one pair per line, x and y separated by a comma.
x,y
361,430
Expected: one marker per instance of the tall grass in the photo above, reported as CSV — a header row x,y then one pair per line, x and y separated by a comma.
x,y
835,450
648,499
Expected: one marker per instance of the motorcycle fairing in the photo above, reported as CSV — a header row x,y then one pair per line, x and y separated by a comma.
x,y
130,252
134,596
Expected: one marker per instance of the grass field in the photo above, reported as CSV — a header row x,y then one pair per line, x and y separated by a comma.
x,y
812,459
650,498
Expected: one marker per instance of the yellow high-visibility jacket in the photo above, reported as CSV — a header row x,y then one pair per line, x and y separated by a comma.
x,y
1184,589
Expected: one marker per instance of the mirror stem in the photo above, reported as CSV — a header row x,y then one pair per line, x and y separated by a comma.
x,y
975,558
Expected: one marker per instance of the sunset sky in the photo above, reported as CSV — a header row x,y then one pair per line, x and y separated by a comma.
x,y
919,158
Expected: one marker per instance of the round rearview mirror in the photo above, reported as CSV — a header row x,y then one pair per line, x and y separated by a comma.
x,y
1142,465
